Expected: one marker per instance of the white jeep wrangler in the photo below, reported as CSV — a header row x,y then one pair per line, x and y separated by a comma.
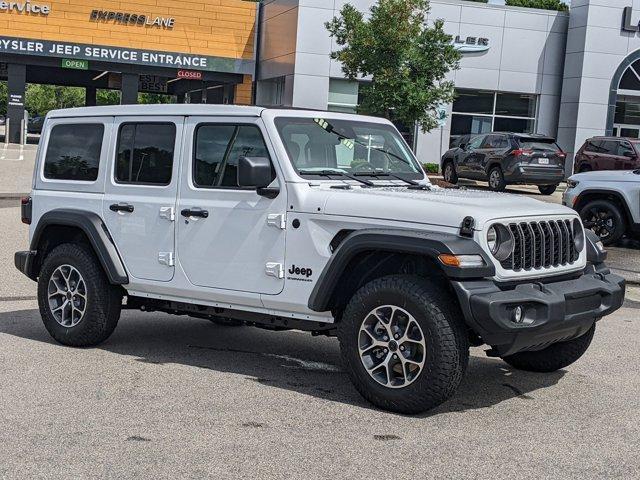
x,y
317,221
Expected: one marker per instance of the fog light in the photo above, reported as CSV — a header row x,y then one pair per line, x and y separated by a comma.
x,y
518,315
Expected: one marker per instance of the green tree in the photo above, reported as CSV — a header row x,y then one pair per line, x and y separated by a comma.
x,y
543,4
39,99
107,97
406,59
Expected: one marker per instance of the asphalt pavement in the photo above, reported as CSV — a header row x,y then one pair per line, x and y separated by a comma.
x,y
174,397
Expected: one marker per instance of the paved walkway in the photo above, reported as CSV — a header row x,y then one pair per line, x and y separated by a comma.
x,y
16,169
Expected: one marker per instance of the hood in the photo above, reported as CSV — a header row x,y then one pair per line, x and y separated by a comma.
x,y
439,206
608,176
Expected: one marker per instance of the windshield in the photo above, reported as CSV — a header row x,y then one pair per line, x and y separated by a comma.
x,y
351,147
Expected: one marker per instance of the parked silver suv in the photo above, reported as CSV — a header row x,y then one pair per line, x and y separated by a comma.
x,y
317,221
608,202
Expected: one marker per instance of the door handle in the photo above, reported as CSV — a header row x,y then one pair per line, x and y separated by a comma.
x,y
194,213
121,207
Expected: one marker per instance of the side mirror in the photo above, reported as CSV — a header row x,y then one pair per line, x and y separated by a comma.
x,y
255,172
463,147
630,155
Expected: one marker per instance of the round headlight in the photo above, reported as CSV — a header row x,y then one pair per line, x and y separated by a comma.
x,y
578,235
492,240
500,242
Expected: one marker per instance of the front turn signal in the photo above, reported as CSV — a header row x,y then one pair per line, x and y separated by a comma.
x,y
461,261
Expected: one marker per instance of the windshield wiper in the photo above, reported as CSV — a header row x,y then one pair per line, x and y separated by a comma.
x,y
412,183
330,173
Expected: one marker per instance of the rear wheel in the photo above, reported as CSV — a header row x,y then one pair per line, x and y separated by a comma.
x,y
78,305
449,173
554,357
605,219
403,343
547,189
496,180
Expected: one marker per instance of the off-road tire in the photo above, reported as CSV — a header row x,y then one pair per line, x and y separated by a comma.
x,y
449,173
554,357
619,223
447,345
547,189
499,184
104,301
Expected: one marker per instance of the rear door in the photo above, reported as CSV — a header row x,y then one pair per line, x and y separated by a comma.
x,y
140,194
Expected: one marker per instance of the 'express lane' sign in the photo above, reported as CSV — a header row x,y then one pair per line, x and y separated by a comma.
x,y
124,55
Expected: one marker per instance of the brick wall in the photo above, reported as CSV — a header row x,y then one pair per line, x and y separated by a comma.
x,y
223,28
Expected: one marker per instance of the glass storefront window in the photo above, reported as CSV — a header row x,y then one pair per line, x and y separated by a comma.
x,y
516,105
473,101
516,125
476,112
628,111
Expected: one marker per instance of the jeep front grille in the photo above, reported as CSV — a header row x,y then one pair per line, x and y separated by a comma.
x,y
544,244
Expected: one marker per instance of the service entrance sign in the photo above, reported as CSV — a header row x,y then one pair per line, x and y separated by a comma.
x,y
76,51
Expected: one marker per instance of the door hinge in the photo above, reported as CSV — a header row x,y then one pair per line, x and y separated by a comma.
x,y
274,270
166,258
168,212
277,220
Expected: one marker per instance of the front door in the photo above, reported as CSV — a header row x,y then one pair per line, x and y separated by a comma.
x,y
229,237
140,194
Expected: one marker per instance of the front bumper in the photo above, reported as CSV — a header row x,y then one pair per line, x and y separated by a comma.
x,y
553,312
534,174
24,262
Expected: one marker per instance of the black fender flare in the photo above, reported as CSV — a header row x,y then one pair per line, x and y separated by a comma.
x,y
96,231
429,244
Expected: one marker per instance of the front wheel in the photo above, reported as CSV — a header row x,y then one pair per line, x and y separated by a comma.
x,y
554,357
403,344
449,174
78,305
547,189
496,180
605,219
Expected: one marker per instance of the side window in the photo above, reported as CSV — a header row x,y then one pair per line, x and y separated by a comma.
x,y
475,142
625,149
145,153
609,147
217,150
73,152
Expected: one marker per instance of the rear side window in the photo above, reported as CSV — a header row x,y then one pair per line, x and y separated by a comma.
x,y
217,150
73,152
610,147
145,153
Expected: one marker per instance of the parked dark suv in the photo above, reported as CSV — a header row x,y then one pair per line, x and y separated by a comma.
x,y
608,153
507,158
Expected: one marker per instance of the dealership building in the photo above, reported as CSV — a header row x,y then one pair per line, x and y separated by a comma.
x,y
569,75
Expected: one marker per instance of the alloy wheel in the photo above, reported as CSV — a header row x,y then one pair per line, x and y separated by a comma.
x,y
600,221
67,295
494,179
392,346
448,173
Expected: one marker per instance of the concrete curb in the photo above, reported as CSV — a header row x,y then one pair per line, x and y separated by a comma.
x,y
11,196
